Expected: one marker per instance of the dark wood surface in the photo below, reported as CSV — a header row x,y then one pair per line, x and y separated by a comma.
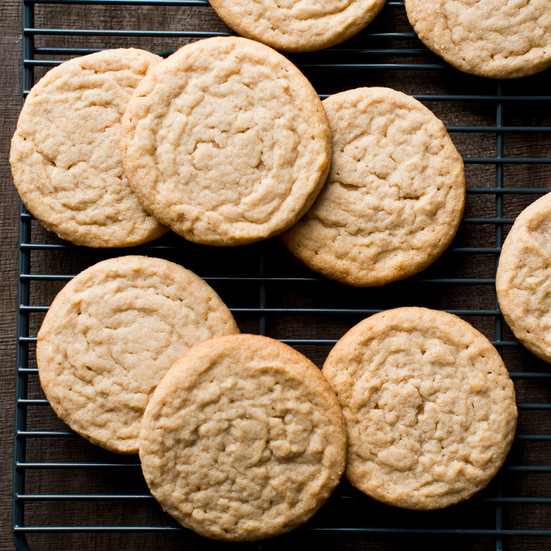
x,y
10,101
460,297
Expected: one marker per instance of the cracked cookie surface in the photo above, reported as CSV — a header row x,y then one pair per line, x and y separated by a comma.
x,y
489,38
429,407
243,439
523,281
226,142
65,155
298,25
111,334
394,196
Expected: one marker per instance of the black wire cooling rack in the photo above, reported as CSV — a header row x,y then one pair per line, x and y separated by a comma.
x,y
67,494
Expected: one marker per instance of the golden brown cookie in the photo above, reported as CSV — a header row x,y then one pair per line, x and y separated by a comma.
x,y
523,279
65,151
429,407
394,196
243,439
112,333
489,38
226,142
298,25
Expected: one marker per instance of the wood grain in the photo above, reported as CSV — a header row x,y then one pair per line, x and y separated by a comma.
x,y
10,101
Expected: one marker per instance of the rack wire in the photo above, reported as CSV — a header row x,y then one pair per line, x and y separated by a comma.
x,y
68,493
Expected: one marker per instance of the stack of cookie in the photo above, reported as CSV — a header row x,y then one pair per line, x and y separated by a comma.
x,y
488,38
240,436
226,142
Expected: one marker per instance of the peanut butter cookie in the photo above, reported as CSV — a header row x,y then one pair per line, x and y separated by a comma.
x,y
65,155
489,38
429,407
394,196
112,333
298,25
523,279
243,439
226,142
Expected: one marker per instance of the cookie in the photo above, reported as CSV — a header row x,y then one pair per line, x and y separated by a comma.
x,y
298,26
523,280
112,333
488,38
226,142
243,439
429,407
394,196
65,151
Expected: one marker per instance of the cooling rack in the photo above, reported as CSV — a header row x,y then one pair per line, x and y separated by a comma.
x,y
68,494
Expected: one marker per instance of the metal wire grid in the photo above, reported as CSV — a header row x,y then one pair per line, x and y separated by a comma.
x,y
266,291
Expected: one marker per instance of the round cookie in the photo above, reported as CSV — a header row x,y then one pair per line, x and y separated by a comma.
x,y
226,142
65,155
243,439
523,280
112,333
394,196
489,38
429,407
298,25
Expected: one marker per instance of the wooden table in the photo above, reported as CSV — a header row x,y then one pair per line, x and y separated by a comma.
x,y
10,101
460,281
